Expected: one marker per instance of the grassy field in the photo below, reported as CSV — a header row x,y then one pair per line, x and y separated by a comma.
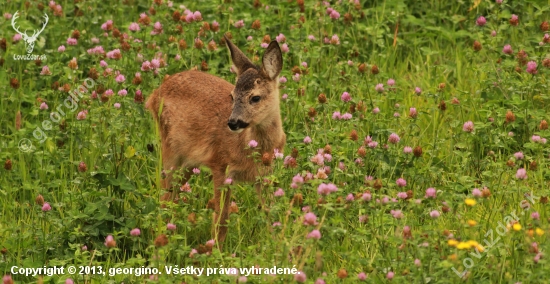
x,y
427,119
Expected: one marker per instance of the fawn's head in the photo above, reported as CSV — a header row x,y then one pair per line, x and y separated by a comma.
x,y
256,93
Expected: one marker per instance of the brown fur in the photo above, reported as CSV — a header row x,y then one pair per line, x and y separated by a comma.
x,y
194,130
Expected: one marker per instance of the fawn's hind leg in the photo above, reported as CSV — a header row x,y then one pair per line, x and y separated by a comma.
x,y
259,189
172,191
172,163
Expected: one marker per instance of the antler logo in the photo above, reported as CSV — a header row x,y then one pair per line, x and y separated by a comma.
x,y
29,40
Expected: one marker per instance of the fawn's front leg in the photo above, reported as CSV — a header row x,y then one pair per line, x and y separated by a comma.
x,y
222,202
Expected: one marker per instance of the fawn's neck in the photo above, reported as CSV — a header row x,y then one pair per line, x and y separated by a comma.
x,y
267,134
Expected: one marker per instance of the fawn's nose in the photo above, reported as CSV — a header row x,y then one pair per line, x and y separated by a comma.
x,y
236,124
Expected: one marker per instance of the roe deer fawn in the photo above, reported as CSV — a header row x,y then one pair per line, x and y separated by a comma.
x,y
205,120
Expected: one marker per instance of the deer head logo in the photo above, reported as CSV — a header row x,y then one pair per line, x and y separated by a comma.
x,y
29,40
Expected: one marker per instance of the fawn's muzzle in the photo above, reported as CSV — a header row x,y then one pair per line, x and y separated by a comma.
x,y
236,124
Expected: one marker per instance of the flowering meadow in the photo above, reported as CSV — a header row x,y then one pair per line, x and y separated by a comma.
x,y
416,143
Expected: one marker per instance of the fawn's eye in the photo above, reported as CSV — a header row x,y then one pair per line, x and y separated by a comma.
x,y
255,99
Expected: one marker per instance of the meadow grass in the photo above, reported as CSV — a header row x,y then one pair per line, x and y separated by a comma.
x,y
416,142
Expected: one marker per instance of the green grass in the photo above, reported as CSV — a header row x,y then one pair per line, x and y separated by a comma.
x,y
424,44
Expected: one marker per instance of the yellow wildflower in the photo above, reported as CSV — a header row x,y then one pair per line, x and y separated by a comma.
x,y
452,242
463,245
470,202
516,227
480,248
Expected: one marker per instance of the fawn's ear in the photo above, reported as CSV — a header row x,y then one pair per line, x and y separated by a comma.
x,y
272,60
239,59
